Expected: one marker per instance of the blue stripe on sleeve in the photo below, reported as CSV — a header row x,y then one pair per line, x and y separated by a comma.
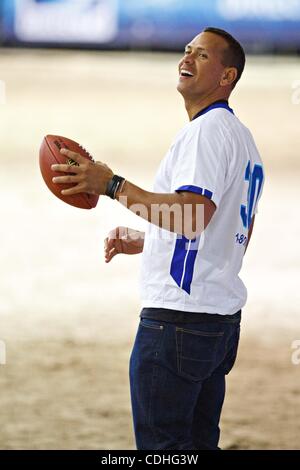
x,y
208,194
192,189
197,190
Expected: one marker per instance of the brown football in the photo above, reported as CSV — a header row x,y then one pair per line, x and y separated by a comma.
x,y
49,155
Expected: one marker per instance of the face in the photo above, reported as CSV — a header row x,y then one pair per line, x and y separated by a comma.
x,y
201,71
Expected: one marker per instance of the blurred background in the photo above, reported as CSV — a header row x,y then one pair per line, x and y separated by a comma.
x,y
104,73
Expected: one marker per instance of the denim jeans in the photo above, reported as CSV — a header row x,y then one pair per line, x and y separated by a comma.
x,y
177,378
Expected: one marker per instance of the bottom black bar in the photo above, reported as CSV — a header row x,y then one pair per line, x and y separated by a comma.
x,y
137,459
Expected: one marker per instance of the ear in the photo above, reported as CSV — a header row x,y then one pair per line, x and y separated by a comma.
x,y
228,77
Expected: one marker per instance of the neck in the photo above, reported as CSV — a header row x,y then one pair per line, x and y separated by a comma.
x,y
195,106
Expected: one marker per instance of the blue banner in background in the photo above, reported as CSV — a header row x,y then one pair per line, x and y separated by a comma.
x,y
165,24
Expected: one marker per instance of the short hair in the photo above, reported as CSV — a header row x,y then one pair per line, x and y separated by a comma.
x,y
233,55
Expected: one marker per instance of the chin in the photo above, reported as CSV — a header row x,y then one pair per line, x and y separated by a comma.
x,y
180,88
184,92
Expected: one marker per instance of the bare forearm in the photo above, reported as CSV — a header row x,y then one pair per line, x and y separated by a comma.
x,y
182,212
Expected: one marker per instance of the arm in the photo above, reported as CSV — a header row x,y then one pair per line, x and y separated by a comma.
x,y
182,212
179,212
250,232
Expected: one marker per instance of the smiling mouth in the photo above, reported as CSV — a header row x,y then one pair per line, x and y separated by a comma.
x,y
185,73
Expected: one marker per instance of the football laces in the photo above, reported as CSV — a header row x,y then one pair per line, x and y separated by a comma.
x,y
87,153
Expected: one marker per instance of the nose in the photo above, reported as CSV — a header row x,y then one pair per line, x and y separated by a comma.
x,y
188,58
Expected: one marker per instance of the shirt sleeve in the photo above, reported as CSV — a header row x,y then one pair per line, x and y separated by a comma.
x,y
201,164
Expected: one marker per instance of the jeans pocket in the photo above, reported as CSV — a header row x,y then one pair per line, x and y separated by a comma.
x,y
196,352
149,338
151,324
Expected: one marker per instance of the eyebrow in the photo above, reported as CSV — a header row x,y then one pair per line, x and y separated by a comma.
x,y
188,46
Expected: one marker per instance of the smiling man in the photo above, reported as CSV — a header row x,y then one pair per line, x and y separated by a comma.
x,y
192,295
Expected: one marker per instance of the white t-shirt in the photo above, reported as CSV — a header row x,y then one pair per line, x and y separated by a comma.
x,y
214,155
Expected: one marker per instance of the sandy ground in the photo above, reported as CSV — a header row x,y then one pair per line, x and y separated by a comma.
x,y
68,320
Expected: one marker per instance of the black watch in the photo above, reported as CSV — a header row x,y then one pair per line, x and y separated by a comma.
x,y
113,186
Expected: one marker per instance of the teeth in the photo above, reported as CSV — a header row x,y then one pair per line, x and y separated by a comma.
x,y
186,72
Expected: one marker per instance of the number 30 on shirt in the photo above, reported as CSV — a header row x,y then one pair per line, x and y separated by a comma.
x,y
255,180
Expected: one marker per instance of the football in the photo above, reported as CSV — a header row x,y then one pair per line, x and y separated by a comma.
x,y
49,155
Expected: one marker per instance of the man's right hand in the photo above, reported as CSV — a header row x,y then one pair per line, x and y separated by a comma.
x,y
123,240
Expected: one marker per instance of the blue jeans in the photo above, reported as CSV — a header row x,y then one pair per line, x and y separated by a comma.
x,y
177,380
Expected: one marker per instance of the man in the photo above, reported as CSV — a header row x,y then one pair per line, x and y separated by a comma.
x,y
192,295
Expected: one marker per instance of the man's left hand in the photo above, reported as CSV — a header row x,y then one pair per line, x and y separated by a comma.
x,y
90,177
